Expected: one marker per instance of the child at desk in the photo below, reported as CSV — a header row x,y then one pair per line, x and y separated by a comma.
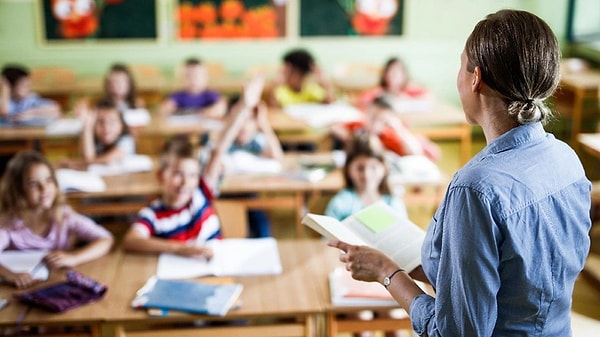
x,y
395,85
120,88
251,132
195,96
105,138
365,176
382,122
33,216
18,101
183,219
295,84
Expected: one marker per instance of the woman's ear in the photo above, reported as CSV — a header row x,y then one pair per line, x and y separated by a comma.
x,y
477,81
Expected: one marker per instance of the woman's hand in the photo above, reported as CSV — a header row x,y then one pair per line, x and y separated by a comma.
x,y
365,263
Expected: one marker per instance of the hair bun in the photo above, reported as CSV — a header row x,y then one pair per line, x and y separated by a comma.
x,y
528,111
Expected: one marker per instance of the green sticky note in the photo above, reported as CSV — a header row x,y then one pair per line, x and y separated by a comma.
x,y
376,218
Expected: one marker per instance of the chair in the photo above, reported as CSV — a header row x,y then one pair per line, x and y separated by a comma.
x,y
233,215
353,78
55,82
151,83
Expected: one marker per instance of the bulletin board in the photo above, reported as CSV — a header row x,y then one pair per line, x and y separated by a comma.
x,y
351,17
98,20
230,19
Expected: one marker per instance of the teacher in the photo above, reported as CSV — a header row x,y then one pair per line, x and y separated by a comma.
x,y
507,242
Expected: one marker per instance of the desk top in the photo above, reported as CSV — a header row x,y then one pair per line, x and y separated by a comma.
x,y
585,80
591,143
300,282
440,113
102,270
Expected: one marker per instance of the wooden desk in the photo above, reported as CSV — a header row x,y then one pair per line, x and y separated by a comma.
x,y
128,193
288,304
88,317
444,121
584,85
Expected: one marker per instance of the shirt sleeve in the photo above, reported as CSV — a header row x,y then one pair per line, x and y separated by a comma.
x,y
84,228
467,280
338,206
127,145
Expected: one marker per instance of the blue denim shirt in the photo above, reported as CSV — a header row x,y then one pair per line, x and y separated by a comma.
x,y
506,244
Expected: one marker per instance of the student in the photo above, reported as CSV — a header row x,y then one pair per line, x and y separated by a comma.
x,y
183,219
253,132
195,97
105,138
300,81
365,177
120,88
34,217
382,122
511,235
18,101
250,130
395,84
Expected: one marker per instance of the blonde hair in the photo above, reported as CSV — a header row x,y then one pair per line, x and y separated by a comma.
x,y
13,195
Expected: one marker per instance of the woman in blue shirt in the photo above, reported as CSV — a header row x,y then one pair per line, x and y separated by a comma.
x,y
507,242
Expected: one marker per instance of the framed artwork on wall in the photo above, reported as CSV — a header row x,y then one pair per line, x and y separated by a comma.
x,y
97,20
351,17
230,19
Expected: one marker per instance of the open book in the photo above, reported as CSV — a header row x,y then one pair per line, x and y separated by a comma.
x,y
26,261
129,164
187,296
378,226
74,180
231,257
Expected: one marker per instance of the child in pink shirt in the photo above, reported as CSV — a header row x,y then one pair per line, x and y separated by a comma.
x,y
33,217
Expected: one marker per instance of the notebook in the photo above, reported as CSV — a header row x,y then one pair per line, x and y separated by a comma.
x,y
187,296
232,257
74,180
26,261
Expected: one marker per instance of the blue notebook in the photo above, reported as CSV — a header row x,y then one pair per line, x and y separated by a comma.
x,y
187,296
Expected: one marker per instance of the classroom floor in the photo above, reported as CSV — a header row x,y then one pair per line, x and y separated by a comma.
x,y
586,297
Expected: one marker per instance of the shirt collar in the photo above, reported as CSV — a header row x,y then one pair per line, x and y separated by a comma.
x,y
513,138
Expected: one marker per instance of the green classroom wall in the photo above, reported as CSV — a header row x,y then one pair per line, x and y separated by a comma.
x,y
434,34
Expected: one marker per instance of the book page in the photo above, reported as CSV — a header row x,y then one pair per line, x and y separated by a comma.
x,y
74,180
332,229
381,227
26,261
243,257
232,257
171,266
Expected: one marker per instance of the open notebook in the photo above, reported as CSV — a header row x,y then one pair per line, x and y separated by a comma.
x,y
232,257
26,261
74,180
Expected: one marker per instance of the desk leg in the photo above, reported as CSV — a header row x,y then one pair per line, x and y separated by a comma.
x,y
577,116
300,202
465,144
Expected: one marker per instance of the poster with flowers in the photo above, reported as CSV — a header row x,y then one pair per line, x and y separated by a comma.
x,y
351,17
78,20
230,19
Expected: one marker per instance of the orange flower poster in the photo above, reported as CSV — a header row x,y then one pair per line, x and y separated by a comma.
x,y
230,19
350,17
